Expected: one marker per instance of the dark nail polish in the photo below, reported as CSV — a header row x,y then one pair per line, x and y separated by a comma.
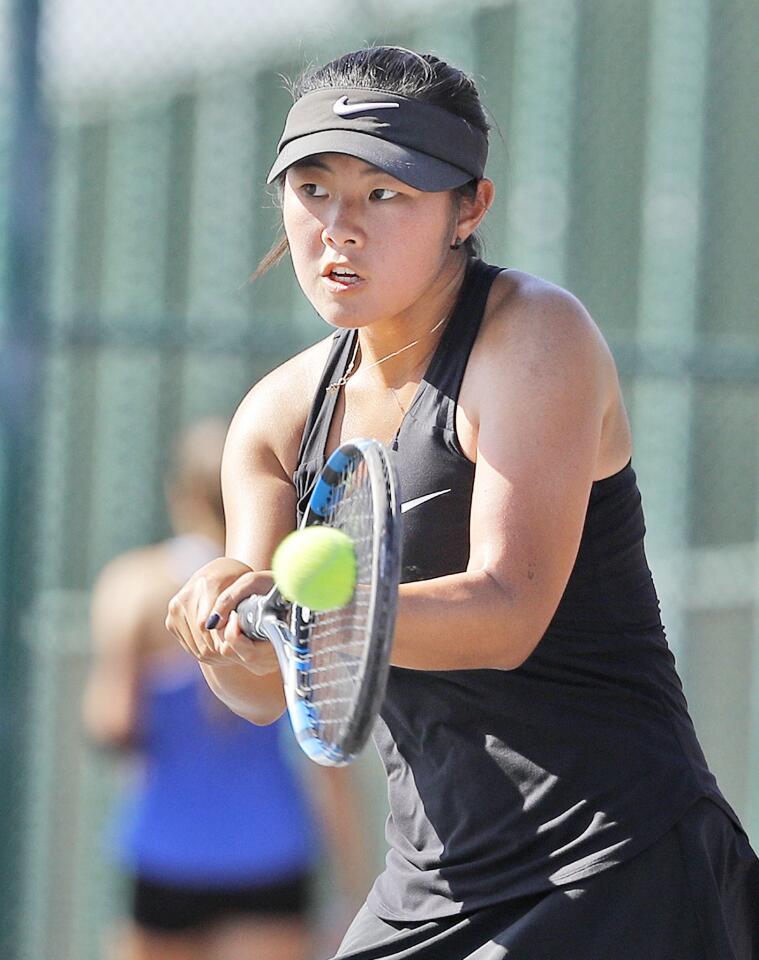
x,y
212,621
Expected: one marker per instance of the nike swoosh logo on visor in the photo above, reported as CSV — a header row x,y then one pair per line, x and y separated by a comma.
x,y
344,109
410,504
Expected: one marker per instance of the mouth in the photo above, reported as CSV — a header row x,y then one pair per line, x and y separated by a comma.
x,y
341,276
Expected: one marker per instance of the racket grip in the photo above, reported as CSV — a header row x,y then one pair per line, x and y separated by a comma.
x,y
249,612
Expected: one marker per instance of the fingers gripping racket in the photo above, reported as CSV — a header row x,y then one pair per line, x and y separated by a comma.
x,y
335,663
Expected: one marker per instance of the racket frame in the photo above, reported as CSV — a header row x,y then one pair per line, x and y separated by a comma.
x,y
287,626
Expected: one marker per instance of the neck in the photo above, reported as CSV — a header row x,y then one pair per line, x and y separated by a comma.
x,y
420,323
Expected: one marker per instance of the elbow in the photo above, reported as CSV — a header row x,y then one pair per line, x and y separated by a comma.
x,y
525,639
117,741
256,699
261,710
518,623
260,715
510,655
509,649
516,656
106,731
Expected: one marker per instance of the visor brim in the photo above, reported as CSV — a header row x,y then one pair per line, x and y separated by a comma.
x,y
418,170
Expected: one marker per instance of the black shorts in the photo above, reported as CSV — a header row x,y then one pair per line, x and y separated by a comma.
x,y
175,909
692,895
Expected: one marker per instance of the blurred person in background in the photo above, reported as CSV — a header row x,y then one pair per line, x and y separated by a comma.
x,y
216,835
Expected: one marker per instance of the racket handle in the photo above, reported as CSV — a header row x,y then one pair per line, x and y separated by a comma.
x,y
260,620
257,613
250,611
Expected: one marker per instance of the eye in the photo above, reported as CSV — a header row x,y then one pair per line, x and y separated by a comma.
x,y
383,193
313,190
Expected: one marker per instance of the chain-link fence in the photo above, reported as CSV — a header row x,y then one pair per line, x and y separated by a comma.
x,y
624,152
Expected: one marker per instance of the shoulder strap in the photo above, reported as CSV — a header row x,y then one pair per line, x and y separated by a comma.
x,y
314,438
446,371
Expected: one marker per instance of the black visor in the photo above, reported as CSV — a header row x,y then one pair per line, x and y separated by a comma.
x,y
420,144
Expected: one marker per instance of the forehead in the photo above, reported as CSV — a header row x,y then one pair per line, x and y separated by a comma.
x,y
339,163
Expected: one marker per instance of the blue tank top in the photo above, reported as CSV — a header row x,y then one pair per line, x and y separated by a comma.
x,y
218,800
510,782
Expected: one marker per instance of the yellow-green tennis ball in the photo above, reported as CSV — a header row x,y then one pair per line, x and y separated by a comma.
x,y
316,567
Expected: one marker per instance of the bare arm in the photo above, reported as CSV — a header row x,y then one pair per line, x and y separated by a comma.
x,y
541,390
119,616
259,504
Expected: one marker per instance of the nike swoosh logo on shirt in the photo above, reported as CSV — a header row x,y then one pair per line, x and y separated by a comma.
x,y
410,504
344,109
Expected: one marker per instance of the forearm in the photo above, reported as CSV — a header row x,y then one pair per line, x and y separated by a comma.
x,y
259,699
463,621
336,794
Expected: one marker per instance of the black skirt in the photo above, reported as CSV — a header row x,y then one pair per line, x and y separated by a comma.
x,y
692,895
171,908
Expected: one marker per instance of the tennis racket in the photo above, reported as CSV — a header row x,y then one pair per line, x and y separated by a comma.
x,y
335,663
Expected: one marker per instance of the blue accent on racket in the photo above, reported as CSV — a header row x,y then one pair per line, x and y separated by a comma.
x,y
335,663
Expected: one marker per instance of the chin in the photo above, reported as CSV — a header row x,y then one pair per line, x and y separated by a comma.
x,y
345,323
345,319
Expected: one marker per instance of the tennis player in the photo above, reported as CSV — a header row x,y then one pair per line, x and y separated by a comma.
x,y
219,833
548,795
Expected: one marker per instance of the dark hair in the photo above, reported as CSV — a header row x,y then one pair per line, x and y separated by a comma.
x,y
420,76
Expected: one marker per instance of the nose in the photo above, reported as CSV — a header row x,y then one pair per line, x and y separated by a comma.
x,y
342,229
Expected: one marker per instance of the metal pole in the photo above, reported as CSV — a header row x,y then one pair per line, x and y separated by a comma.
x,y
21,351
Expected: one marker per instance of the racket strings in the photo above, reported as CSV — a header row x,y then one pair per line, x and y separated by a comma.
x,y
338,638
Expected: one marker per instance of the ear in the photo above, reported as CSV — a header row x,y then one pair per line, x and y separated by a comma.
x,y
472,209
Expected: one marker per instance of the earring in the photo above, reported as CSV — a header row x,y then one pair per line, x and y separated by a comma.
x,y
456,244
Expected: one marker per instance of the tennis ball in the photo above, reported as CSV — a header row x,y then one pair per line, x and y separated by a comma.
x,y
316,568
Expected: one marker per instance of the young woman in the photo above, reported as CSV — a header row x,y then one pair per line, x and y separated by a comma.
x,y
236,883
548,794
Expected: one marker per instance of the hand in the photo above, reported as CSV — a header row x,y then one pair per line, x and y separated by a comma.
x,y
208,600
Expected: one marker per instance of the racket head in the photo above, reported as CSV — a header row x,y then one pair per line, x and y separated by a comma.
x,y
343,655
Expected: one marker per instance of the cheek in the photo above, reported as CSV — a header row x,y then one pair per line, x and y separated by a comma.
x,y
418,241
296,220
303,233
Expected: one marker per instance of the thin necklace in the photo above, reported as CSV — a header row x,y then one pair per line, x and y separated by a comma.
x,y
336,384
394,392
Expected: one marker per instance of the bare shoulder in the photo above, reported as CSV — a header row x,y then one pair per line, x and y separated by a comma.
x,y
528,309
129,595
539,343
539,327
132,572
273,413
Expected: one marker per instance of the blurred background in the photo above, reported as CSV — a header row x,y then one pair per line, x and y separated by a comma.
x,y
134,142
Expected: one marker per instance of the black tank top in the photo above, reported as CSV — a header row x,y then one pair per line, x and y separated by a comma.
x,y
509,782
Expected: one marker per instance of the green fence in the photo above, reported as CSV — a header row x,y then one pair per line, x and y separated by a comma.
x,y
624,153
